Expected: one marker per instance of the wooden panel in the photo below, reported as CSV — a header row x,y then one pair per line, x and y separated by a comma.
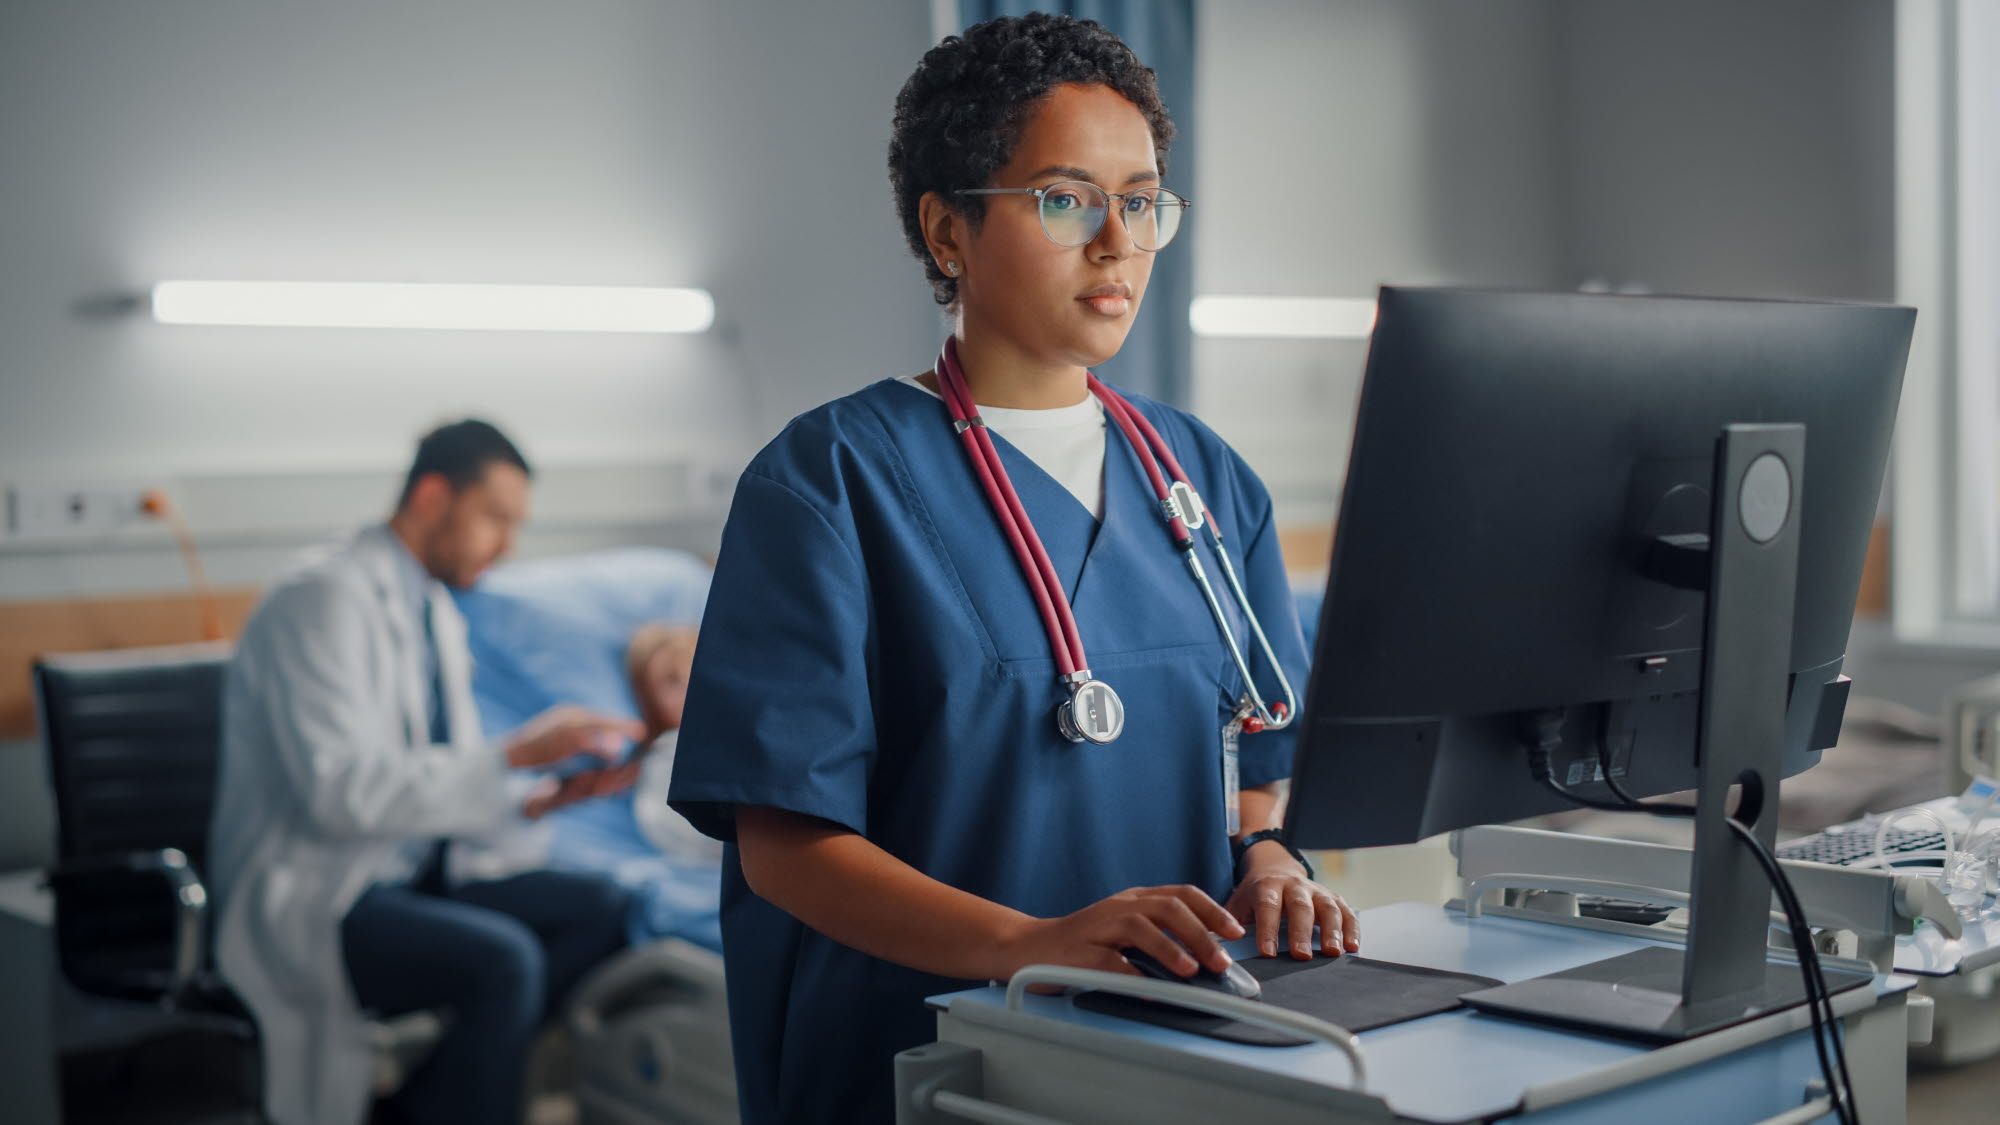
x,y
1307,550
29,629
1873,600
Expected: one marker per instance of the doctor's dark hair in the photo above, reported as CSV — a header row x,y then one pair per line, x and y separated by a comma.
x,y
460,452
960,116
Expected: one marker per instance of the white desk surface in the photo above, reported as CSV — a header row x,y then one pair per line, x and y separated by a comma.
x,y
1460,1065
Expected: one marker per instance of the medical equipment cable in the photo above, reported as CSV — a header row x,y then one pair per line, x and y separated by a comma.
x,y
1547,726
1958,847
1951,841
155,505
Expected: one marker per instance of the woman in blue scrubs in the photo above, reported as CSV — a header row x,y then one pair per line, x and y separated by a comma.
x,y
870,725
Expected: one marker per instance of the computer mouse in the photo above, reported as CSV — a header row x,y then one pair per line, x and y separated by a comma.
x,y
1237,981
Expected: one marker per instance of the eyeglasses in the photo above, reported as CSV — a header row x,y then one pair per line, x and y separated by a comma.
x,y
1073,212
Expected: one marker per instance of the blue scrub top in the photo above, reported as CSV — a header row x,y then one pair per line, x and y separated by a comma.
x,y
871,656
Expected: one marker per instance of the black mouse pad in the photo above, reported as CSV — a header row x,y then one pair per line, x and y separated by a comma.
x,y
1357,993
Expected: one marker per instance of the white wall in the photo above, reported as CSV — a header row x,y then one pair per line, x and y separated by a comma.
x,y
1350,144
736,146
1706,146
1732,148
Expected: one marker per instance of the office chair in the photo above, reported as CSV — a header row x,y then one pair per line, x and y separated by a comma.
x,y
133,739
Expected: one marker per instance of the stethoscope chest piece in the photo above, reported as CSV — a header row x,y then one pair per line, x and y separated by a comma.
x,y
1092,713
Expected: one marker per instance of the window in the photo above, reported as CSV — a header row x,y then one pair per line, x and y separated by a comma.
x,y
1946,494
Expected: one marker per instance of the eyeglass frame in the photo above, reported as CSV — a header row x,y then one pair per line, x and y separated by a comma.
x,y
1040,192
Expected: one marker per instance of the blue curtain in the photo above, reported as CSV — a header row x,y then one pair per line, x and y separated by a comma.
x,y
1158,358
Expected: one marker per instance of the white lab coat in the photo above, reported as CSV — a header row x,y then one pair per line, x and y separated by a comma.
x,y
325,777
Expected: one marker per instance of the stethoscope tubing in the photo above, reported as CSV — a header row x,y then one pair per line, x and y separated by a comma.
x,y
1058,618
1155,446
1272,720
1065,641
1140,434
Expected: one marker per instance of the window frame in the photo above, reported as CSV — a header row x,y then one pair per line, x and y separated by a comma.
x,y
1945,561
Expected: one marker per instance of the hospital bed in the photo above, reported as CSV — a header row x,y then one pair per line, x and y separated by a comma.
x,y
554,631
649,1030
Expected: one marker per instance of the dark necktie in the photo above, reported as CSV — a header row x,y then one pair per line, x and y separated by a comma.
x,y
440,716
429,876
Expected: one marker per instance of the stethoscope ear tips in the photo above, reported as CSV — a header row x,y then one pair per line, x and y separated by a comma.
x,y
1253,723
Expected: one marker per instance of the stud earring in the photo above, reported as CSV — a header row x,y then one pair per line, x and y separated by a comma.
x,y
951,268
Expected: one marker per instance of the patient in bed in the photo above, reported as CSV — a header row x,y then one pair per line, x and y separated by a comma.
x,y
657,662
613,631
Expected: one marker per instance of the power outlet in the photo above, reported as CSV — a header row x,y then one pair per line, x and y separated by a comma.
x,y
36,511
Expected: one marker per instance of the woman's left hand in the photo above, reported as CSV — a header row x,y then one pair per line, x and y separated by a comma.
x,y
1284,905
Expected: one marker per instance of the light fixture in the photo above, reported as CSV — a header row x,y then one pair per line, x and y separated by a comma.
x,y
1336,318
513,308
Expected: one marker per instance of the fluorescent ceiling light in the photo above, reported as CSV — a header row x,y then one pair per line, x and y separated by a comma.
x,y
517,308
1337,318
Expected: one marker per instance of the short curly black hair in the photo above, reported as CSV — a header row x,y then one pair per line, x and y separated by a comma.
x,y
960,116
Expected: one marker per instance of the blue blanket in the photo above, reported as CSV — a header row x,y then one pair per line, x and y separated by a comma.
x,y
553,631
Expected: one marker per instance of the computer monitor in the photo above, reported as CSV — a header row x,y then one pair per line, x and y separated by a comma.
x,y
1521,551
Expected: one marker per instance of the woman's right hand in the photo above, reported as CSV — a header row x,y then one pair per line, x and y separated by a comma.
x,y
1173,924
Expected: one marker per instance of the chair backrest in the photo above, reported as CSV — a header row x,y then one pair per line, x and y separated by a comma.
x,y
133,741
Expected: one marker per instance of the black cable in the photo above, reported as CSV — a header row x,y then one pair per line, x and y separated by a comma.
x,y
1547,737
1809,962
1819,1001
1826,1023
1829,1063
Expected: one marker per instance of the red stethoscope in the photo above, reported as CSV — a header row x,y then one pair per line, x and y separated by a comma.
x,y
1093,712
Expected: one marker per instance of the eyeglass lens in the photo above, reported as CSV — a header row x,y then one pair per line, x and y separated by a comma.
x,y
1073,213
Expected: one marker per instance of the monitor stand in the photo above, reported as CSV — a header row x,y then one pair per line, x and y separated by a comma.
x,y
1725,975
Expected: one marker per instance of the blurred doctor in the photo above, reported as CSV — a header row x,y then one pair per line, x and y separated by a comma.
x,y
351,753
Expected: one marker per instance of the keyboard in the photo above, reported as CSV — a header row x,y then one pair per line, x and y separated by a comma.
x,y
1842,848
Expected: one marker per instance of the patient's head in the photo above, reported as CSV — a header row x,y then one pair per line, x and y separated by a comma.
x,y
464,498
658,660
